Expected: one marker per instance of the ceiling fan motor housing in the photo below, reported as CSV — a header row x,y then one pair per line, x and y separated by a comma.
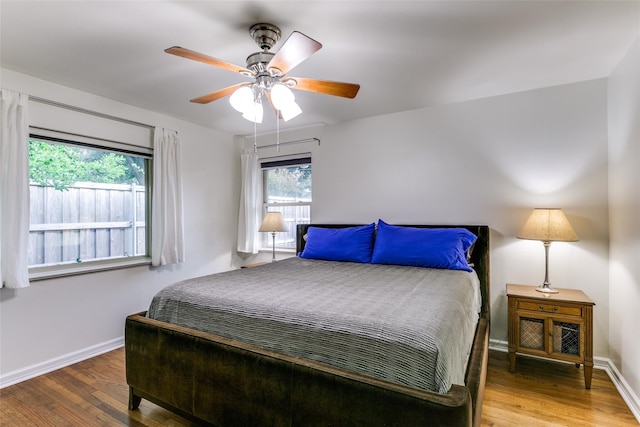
x,y
265,35
257,62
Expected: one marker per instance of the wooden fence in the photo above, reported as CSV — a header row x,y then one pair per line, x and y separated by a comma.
x,y
86,222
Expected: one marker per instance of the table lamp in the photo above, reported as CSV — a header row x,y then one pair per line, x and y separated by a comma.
x,y
547,225
273,223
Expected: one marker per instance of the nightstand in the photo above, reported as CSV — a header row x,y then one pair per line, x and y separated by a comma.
x,y
558,326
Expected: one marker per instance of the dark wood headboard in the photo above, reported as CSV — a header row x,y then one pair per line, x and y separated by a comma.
x,y
479,256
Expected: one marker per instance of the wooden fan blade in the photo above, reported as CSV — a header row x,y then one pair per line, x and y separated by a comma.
x,y
217,94
295,49
346,90
196,56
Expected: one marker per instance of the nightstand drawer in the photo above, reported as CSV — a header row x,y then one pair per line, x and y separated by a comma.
x,y
549,308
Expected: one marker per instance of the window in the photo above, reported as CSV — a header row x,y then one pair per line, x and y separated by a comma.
x,y
287,189
89,204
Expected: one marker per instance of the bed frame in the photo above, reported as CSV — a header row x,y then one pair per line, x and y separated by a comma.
x,y
219,381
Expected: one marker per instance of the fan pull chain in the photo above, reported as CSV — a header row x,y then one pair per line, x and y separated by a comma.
x,y
277,131
255,137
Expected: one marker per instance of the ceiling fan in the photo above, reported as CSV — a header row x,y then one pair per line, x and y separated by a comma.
x,y
269,73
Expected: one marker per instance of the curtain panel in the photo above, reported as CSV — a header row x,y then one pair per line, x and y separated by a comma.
x,y
14,190
249,212
167,230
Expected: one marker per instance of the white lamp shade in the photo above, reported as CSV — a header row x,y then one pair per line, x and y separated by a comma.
x,y
253,112
281,96
241,99
290,111
548,225
273,222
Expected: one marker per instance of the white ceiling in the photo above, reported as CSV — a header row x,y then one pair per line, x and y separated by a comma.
x,y
404,54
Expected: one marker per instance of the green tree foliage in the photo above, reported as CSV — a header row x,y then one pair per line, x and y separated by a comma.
x,y
294,182
61,166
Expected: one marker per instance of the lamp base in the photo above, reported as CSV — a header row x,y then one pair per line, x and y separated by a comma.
x,y
546,286
547,289
273,239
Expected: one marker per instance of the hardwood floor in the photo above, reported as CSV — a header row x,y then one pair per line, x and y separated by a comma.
x,y
94,393
549,393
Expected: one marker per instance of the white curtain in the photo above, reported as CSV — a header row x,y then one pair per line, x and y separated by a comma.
x,y
14,190
249,215
167,230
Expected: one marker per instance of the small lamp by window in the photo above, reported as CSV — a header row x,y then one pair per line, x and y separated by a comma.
x,y
273,223
547,225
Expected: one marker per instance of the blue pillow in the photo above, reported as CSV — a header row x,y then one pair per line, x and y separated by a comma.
x,y
445,248
352,244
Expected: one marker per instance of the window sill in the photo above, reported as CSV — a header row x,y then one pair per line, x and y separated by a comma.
x,y
68,269
278,250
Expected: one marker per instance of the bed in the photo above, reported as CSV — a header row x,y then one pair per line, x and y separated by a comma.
x,y
221,379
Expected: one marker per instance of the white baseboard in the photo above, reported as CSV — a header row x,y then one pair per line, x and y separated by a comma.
x,y
628,395
623,387
24,374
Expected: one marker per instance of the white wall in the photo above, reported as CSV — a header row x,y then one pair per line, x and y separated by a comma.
x,y
485,162
624,211
481,162
55,318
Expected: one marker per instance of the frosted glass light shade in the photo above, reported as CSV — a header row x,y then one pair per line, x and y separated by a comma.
x,y
254,112
241,99
281,96
290,111
548,225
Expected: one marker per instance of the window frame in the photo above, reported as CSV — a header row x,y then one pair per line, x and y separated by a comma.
x,y
66,268
265,242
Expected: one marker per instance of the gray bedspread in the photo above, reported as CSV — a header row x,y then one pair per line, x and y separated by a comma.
x,y
409,325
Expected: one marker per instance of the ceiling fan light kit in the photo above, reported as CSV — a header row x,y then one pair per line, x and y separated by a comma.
x,y
290,111
284,101
241,98
269,73
254,112
281,96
